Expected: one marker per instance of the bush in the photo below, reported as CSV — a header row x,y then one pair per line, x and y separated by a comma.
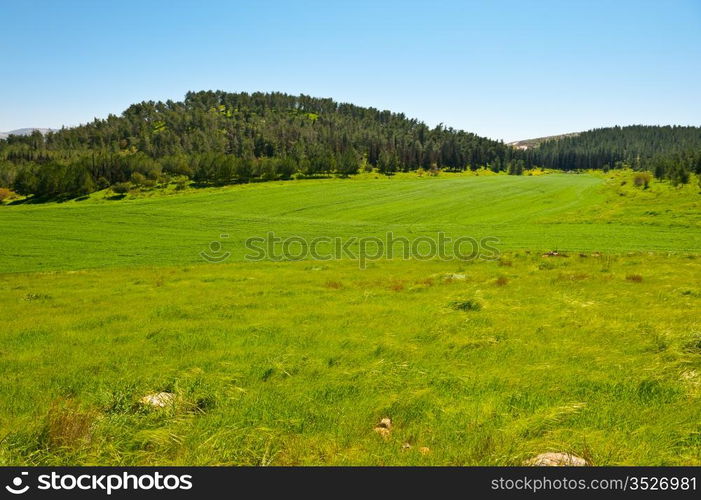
x,y
465,305
102,183
502,281
121,187
138,179
642,179
5,194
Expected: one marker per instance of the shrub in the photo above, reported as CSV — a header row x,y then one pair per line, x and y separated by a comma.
x,y
121,187
501,281
642,179
5,194
465,305
138,179
634,277
102,183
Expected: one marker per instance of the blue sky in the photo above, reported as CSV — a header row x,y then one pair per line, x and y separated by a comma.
x,y
504,69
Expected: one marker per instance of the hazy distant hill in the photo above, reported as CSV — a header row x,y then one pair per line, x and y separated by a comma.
x,y
24,131
530,143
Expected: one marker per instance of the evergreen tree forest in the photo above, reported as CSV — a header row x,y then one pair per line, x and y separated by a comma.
x,y
218,138
223,138
670,152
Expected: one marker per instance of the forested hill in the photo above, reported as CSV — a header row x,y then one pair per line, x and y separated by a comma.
x,y
215,137
665,150
221,137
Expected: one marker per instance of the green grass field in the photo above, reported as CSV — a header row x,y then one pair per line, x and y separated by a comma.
x,y
557,211
279,363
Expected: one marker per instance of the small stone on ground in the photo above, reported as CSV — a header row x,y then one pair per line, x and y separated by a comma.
x,y
159,400
557,460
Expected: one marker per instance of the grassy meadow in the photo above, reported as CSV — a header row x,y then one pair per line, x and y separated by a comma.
x,y
596,352
545,212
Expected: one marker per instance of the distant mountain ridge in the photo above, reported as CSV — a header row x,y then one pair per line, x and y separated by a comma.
x,y
25,131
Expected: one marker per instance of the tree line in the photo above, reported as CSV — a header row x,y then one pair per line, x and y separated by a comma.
x,y
221,138
215,138
670,152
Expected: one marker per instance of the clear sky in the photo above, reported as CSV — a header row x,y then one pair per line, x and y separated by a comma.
x,y
504,69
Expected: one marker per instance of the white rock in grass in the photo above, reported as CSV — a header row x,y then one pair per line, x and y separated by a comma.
x,y
455,277
382,431
386,423
557,460
159,399
384,427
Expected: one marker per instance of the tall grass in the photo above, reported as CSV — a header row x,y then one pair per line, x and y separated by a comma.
x,y
277,363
